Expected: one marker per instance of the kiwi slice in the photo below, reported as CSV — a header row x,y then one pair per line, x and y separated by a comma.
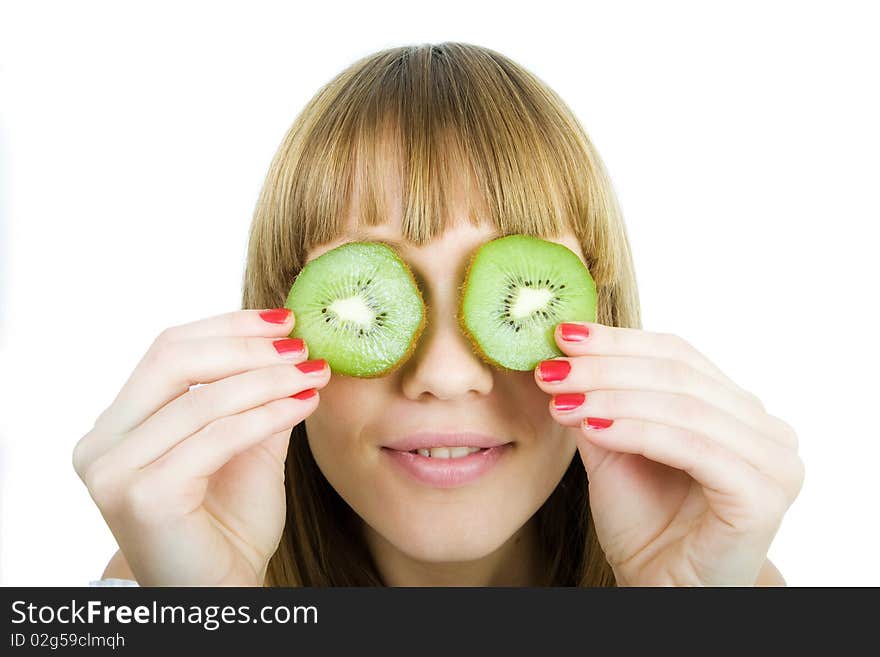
x,y
516,290
358,307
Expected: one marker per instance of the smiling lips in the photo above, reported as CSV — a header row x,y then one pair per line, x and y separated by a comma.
x,y
446,452
432,439
446,460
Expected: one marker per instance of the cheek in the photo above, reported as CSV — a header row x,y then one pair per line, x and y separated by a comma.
x,y
527,404
550,447
333,429
337,409
347,405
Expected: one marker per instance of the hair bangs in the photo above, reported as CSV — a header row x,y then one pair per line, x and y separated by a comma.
x,y
442,138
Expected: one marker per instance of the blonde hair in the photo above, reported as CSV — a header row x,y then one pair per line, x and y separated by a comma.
x,y
447,118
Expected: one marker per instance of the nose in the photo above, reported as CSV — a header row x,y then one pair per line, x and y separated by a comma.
x,y
443,364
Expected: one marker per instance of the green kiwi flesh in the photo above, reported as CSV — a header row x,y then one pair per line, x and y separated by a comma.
x,y
358,307
516,291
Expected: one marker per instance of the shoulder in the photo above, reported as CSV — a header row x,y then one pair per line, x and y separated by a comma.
x,y
770,576
118,568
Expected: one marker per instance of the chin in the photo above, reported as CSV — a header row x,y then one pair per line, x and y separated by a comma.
x,y
457,528
430,540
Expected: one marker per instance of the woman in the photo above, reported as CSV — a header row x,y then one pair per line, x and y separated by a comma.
x,y
630,460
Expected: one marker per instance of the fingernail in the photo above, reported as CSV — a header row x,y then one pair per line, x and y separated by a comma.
x,y
574,332
310,366
289,347
597,423
568,401
554,370
276,315
305,394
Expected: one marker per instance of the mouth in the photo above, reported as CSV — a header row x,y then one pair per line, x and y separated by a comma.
x,y
447,452
445,466
439,443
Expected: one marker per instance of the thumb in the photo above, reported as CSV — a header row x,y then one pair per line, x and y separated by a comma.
x,y
277,444
591,455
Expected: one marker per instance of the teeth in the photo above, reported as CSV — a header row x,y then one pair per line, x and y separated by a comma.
x,y
447,452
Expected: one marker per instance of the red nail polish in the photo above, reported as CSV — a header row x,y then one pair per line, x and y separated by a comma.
x,y
554,370
288,347
312,365
276,315
568,401
305,394
598,423
574,332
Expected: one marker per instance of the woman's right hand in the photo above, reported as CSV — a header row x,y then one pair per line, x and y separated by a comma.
x,y
190,479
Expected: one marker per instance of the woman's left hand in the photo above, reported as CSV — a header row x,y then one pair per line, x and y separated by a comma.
x,y
689,481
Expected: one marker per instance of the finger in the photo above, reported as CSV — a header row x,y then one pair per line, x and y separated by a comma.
x,y
601,339
207,404
208,450
683,412
587,373
167,370
172,368
734,489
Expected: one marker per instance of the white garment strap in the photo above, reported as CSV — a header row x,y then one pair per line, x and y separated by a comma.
x,y
113,581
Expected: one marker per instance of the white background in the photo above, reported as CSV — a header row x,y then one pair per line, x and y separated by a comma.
x,y
742,141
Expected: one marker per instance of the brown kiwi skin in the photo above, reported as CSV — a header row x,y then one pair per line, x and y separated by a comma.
x,y
415,339
460,316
